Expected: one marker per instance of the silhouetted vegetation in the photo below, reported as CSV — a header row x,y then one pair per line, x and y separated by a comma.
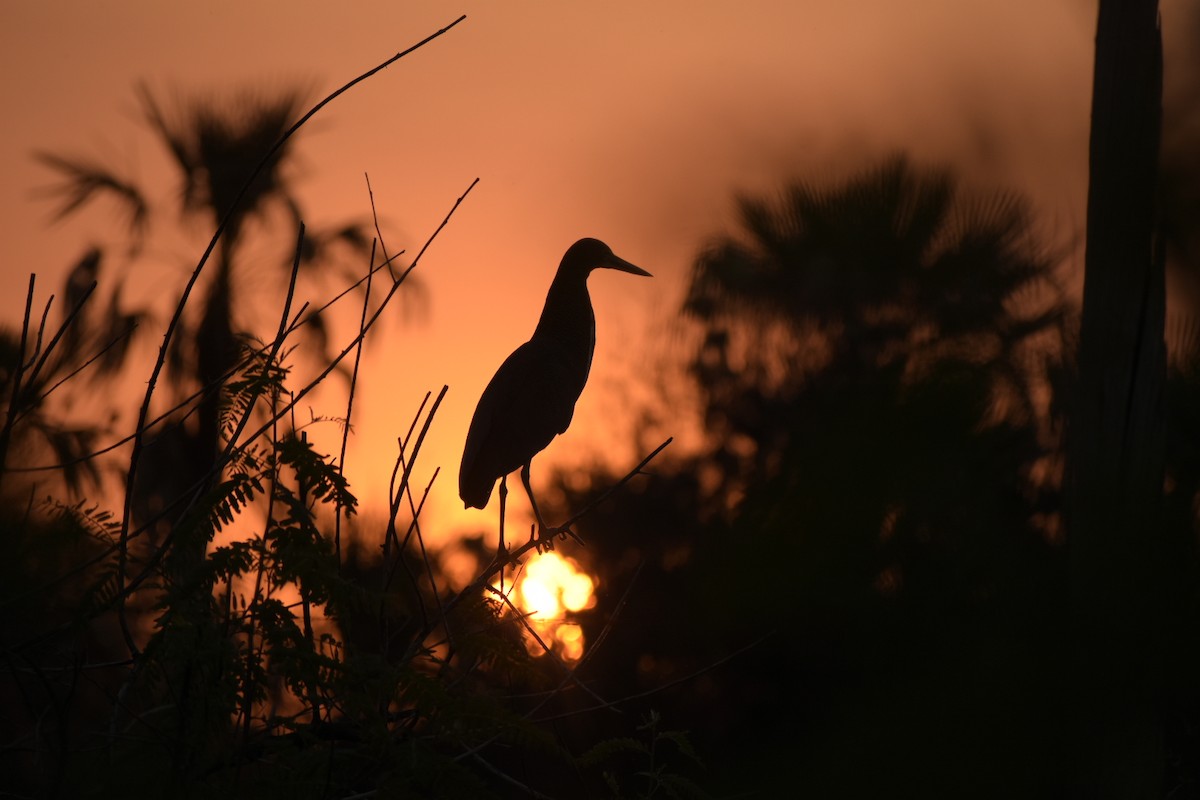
x,y
875,499
864,566
227,639
864,581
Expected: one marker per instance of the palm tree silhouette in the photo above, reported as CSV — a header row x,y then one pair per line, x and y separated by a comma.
x,y
897,271
877,365
214,145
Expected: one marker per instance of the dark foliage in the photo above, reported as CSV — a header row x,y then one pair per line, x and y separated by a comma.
x,y
874,514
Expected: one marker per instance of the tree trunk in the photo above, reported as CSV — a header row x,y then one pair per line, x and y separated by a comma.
x,y
1115,457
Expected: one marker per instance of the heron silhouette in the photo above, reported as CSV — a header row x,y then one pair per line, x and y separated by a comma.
x,y
531,398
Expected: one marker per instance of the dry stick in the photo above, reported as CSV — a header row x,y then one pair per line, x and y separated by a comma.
x,y
99,353
37,346
415,524
375,221
388,259
385,577
415,510
411,462
276,346
160,361
337,297
404,487
18,373
417,641
412,526
390,533
421,540
362,320
62,329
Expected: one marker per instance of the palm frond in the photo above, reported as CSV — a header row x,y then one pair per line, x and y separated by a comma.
x,y
84,180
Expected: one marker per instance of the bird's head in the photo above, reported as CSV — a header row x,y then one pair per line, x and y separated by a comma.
x,y
589,254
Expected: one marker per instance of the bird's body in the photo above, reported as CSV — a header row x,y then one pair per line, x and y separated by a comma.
x,y
531,398
503,437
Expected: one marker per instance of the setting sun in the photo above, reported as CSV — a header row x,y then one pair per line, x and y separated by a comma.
x,y
551,587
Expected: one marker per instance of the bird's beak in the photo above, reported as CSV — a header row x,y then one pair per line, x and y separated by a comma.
x,y
621,265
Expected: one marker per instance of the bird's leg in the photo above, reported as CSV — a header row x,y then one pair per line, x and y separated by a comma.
x,y
545,535
501,550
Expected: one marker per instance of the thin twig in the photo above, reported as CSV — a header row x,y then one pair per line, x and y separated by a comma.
x,y
415,524
390,534
276,346
609,492
529,790
662,688
416,514
362,320
18,372
395,509
37,346
62,329
42,397
412,459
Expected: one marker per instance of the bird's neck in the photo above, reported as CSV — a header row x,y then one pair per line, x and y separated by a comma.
x,y
567,320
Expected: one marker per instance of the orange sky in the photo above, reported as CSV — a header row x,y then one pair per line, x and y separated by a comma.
x,y
629,121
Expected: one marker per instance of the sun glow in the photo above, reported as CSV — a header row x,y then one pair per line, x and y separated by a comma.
x,y
551,588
